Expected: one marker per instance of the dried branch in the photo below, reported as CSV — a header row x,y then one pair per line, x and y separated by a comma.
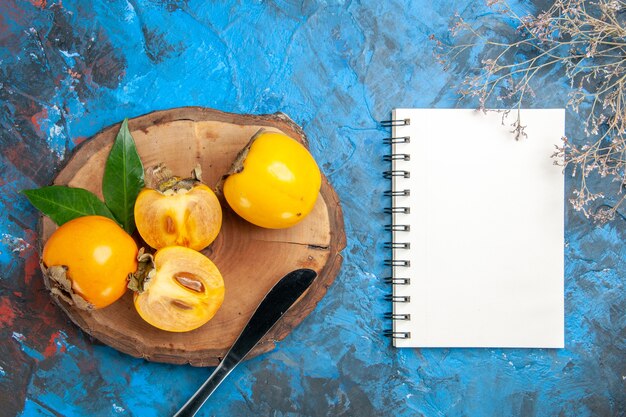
x,y
587,41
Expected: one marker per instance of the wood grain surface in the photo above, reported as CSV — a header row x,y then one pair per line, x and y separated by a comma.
x,y
251,259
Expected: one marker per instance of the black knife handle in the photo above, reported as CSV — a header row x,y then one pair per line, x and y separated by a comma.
x,y
277,301
274,305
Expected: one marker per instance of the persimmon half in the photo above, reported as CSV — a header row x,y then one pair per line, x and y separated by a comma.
x,y
180,291
178,212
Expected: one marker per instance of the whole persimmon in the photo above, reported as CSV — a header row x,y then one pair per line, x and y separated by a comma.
x,y
88,260
274,182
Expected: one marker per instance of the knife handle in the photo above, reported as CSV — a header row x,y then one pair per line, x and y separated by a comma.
x,y
277,301
198,399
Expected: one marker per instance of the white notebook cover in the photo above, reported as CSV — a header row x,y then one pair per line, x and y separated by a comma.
x,y
486,230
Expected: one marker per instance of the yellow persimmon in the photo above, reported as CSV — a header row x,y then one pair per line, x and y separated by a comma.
x,y
274,182
97,256
181,291
183,212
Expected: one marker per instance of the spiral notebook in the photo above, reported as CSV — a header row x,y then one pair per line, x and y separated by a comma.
x,y
477,229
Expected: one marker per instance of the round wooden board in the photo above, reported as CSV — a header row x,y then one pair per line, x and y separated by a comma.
x,y
250,258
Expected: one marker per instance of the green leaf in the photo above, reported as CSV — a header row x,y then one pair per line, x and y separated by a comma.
x,y
63,204
123,178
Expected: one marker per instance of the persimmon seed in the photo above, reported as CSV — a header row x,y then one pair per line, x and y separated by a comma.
x,y
190,281
180,304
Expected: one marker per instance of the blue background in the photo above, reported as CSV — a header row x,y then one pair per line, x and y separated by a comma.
x,y
69,69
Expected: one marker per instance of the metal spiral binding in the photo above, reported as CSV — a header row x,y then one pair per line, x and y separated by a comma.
x,y
390,123
398,298
397,157
396,173
397,245
397,335
393,316
403,210
397,281
394,210
397,262
397,228
399,193
400,139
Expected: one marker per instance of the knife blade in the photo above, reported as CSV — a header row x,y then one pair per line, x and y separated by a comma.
x,y
277,301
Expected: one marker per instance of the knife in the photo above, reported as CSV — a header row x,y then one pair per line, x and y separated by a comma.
x,y
277,301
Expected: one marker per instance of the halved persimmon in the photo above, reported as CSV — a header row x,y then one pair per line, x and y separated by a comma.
x,y
178,290
176,211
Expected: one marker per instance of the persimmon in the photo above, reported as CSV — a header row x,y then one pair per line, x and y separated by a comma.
x,y
88,261
274,182
177,212
178,290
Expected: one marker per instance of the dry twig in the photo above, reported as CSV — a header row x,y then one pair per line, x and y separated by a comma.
x,y
587,39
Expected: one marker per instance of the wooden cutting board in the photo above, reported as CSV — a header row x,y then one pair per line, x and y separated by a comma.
x,y
251,259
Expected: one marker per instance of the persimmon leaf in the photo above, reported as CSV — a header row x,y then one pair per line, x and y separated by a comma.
x,y
63,204
123,178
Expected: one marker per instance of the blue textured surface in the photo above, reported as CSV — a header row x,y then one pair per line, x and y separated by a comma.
x,y
336,67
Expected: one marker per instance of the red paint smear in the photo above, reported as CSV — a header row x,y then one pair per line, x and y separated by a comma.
x,y
4,28
15,153
7,314
14,13
48,313
30,267
78,140
30,256
87,367
55,345
39,3
87,76
38,117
